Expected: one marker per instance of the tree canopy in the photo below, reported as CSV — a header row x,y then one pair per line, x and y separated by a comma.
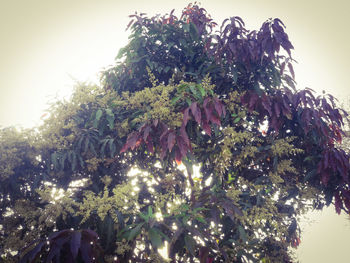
x,y
196,143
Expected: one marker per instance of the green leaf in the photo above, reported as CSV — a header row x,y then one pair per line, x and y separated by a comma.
x,y
166,69
112,147
150,212
188,164
174,100
235,76
155,238
182,42
81,161
201,219
190,244
54,159
201,90
237,120
310,175
308,158
144,217
74,161
194,91
97,118
121,53
186,27
185,219
92,149
242,234
137,59
110,118
103,146
193,31
62,160
231,177
149,63
198,209
135,231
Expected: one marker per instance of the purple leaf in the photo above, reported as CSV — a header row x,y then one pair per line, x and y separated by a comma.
x,y
277,109
75,243
290,66
325,175
146,132
171,141
55,248
86,251
59,233
338,202
32,254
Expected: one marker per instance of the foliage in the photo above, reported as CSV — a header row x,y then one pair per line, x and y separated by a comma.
x,y
71,245
197,142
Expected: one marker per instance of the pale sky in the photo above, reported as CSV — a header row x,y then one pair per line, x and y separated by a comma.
x,y
46,45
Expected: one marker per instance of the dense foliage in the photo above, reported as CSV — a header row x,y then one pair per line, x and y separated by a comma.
x,y
197,143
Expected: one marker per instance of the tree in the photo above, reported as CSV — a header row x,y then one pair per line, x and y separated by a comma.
x,y
197,141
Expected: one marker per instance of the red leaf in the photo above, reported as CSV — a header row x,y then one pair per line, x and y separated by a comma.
x,y
205,102
184,135
210,115
150,146
155,123
178,156
171,141
163,136
253,99
206,127
215,119
196,112
162,153
163,143
266,103
217,106
90,234
186,116
203,254
131,142
182,146
223,110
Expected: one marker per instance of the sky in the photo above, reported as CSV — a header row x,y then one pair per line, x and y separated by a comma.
x,y
46,46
